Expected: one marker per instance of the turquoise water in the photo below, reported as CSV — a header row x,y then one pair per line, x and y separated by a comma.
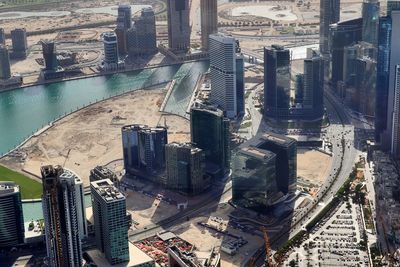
x,y
24,111
33,210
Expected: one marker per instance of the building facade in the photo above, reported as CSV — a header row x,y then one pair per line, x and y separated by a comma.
x,y
19,43
144,149
329,14
240,85
209,21
64,216
210,132
276,82
111,227
178,25
254,178
11,216
2,36
370,16
5,68
223,73
186,168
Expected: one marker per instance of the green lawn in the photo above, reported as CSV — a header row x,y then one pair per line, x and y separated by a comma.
x,y
29,188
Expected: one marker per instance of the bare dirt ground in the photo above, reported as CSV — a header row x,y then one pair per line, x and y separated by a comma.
x,y
313,166
92,136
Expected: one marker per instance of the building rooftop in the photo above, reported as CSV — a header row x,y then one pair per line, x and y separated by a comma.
x,y
8,188
258,152
262,138
190,146
209,109
136,258
106,189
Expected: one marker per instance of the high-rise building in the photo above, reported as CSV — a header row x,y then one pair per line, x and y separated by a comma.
x,y
124,19
19,43
121,35
64,216
185,168
5,68
366,84
313,85
395,146
141,37
111,227
382,81
299,88
144,149
49,55
209,20
342,34
178,25
11,216
393,62
285,149
110,49
370,16
210,132
2,36
276,82
223,73
254,178
240,85
392,5
329,14
101,173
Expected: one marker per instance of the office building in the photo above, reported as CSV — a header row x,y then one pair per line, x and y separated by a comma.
x,y
240,85
394,60
178,25
52,69
313,86
111,227
121,35
210,132
276,82
144,149
254,178
342,34
5,68
186,168
2,36
395,146
209,20
64,216
329,14
101,173
11,216
370,17
19,43
299,88
223,74
365,85
111,56
382,81
124,19
141,37
392,5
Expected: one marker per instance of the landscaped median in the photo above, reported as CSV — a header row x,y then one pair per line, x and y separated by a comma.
x,y
30,189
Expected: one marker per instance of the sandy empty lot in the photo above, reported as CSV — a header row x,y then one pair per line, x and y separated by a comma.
x,y
313,165
92,136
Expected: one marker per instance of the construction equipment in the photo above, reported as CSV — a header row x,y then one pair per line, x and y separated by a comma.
x,y
269,259
66,157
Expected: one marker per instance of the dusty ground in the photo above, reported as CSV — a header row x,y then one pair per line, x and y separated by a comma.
x,y
313,166
91,137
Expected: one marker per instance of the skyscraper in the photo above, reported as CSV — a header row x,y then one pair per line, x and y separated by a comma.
x,y
178,25
329,14
276,82
240,85
185,168
313,87
209,20
111,226
382,82
366,85
342,34
144,148
392,5
11,216
110,48
2,36
146,32
210,132
393,62
19,43
370,16
124,19
64,216
223,73
395,146
49,55
5,69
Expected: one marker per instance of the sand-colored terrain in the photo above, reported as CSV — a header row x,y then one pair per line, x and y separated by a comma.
x,y
92,136
313,166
